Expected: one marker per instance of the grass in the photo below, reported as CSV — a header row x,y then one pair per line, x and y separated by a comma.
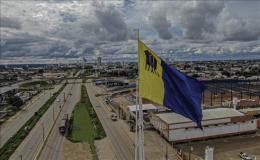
x,y
12,144
34,83
82,126
85,123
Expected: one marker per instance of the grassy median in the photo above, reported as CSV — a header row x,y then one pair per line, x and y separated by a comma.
x,y
82,126
10,146
85,123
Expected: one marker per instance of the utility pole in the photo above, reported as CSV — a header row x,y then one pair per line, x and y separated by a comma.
x,y
231,91
211,98
221,98
42,132
53,114
64,97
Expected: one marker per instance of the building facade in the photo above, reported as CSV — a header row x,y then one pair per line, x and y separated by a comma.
x,y
217,122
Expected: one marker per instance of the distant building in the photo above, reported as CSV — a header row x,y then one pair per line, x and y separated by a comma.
x,y
99,61
247,103
217,122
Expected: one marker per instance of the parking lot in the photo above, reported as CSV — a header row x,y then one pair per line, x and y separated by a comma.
x,y
227,148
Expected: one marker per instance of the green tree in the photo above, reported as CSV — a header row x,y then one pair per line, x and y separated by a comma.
x,y
15,101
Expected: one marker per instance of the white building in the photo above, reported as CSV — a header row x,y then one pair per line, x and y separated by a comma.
x,y
216,123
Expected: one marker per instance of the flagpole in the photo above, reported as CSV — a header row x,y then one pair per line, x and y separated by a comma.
x,y
136,122
137,105
140,126
139,137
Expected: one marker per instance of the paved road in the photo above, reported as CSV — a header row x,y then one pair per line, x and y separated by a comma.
x,y
34,141
14,86
123,145
11,126
53,148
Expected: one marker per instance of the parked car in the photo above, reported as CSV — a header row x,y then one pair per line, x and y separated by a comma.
x,y
113,117
244,156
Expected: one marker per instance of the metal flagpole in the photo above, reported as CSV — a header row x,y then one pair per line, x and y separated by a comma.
x,y
136,122
139,115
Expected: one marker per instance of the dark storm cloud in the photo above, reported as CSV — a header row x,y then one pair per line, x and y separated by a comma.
x,y
111,23
161,24
200,19
6,22
25,44
235,29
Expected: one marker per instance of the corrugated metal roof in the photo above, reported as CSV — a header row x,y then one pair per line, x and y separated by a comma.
x,y
145,107
216,113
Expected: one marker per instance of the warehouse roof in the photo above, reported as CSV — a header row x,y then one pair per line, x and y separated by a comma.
x,y
145,107
216,113
257,109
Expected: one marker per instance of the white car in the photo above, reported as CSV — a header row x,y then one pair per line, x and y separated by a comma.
x,y
244,156
114,117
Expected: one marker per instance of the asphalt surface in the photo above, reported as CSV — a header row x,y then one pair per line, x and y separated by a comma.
x,y
122,144
11,126
54,145
32,144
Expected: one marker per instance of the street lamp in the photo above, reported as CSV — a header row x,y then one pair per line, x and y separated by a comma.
x,y
191,149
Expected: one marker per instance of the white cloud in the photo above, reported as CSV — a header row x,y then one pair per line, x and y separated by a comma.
x,y
81,28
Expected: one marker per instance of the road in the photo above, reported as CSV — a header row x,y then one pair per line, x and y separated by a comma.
x,y
11,126
53,148
14,86
123,145
32,144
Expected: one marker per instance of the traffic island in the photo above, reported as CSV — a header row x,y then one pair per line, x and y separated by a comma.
x,y
85,125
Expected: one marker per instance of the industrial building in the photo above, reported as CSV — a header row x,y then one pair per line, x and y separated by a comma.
x,y
218,122
253,112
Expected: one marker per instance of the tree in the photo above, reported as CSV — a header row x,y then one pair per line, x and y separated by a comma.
x,y
41,71
15,101
226,73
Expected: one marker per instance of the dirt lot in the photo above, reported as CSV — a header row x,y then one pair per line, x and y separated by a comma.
x,y
155,146
227,148
76,151
104,149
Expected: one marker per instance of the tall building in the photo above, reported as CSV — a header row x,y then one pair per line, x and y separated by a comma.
x,y
99,61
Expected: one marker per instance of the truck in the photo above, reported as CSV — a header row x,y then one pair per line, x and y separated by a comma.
x,y
64,124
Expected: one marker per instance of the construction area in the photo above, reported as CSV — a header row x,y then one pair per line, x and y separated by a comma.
x,y
231,114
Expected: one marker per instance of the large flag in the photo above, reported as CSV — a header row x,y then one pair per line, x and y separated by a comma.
x,y
167,86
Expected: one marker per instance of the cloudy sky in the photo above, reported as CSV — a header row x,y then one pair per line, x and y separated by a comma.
x,y
179,30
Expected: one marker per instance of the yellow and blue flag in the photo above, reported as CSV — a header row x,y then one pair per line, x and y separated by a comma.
x,y
167,86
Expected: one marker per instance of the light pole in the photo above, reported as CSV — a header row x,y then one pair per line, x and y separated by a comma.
x,y
191,149
42,132
53,115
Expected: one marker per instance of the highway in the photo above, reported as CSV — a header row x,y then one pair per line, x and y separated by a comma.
x,y
32,144
122,144
11,126
54,145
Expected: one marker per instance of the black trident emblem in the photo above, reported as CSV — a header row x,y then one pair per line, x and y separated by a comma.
x,y
151,63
